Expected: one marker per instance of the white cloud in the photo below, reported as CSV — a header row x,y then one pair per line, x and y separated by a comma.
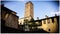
x,y
53,13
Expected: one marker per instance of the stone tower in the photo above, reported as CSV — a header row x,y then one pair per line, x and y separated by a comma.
x,y
29,9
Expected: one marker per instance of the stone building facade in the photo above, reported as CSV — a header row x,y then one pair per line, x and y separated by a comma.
x,y
50,24
21,20
9,17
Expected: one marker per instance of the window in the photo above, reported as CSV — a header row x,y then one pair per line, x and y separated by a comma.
x,y
40,23
48,21
44,22
52,20
20,23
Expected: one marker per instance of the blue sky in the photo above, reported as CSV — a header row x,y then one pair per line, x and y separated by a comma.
x,y
41,8
29,0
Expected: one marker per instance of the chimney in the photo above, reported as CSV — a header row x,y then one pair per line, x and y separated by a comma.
x,y
55,14
46,16
37,18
